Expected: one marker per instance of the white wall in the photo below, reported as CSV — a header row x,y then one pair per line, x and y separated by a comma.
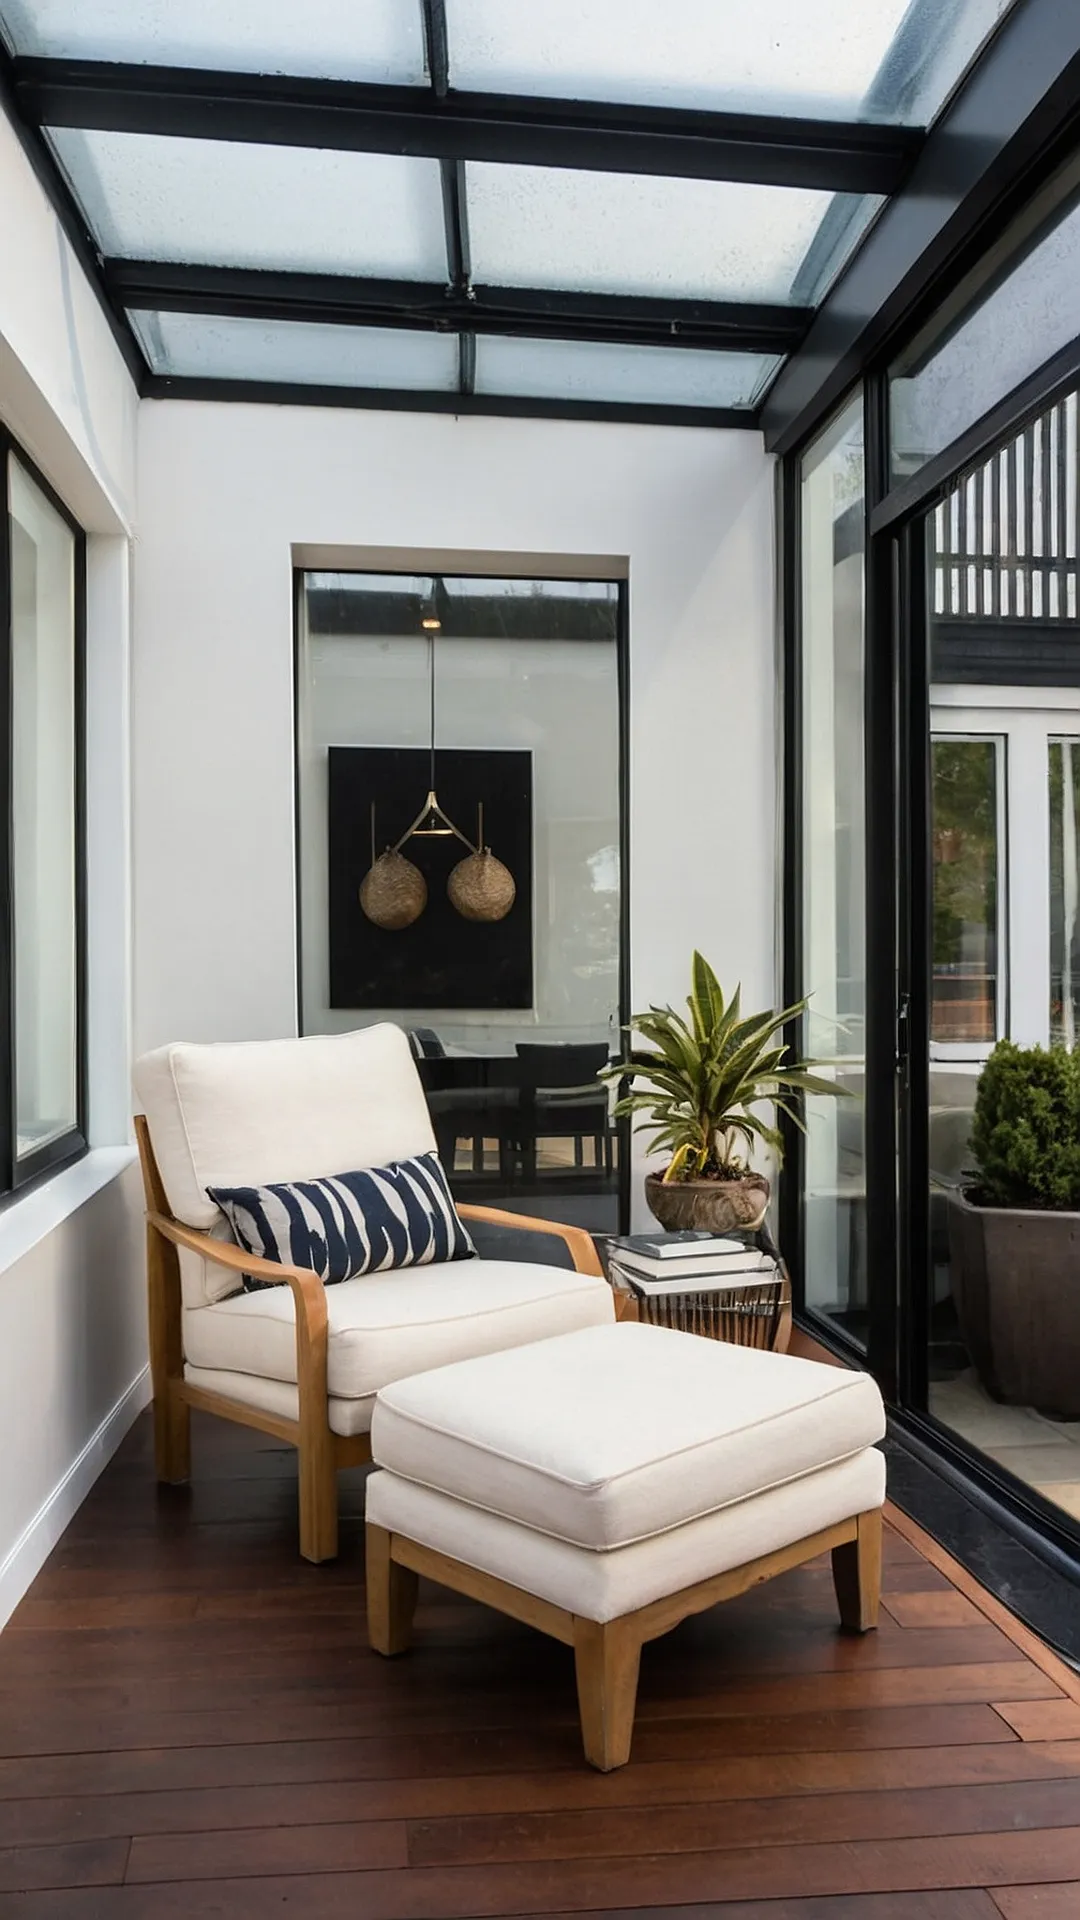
x,y
225,494
72,1316
64,388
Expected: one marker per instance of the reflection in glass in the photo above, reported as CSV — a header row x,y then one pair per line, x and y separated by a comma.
x,y
43,797
1005,758
1064,891
526,670
833,865
964,826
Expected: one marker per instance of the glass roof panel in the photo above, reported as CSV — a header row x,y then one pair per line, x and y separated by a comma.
x,y
629,233
377,40
886,60
208,346
597,370
227,203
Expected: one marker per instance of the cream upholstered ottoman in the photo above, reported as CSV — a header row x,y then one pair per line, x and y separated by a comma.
x,y
604,1484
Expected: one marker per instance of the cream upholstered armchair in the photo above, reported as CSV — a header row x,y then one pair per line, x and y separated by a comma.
x,y
297,1359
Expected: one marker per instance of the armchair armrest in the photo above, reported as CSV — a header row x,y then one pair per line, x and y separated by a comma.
x,y
306,1287
500,1235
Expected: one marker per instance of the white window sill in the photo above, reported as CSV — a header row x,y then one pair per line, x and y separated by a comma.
x,y
28,1221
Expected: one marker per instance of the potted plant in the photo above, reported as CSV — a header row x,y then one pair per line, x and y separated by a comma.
x,y
1014,1235
699,1082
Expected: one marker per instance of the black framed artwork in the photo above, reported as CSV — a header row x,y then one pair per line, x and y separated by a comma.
x,y
441,959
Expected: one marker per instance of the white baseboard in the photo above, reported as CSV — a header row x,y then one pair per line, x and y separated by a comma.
x,y
34,1545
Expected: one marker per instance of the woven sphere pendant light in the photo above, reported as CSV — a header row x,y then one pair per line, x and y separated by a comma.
x,y
393,893
481,888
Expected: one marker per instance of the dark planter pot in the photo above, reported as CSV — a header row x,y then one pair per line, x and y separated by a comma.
x,y
713,1206
1016,1284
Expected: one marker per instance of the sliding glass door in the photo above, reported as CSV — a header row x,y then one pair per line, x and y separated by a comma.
x,y
1003,722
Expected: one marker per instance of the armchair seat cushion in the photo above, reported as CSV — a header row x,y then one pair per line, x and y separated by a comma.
x,y
385,1327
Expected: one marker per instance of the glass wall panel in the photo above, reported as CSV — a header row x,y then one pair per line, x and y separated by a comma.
x,y
1005,761
377,40
234,203
960,369
862,59
629,233
833,866
596,370
43,684
211,346
501,699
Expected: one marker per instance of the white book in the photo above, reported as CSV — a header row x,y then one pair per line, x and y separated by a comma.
x,y
726,1281
740,1260
678,1246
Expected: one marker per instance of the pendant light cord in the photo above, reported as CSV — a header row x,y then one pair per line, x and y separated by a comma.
x,y
431,665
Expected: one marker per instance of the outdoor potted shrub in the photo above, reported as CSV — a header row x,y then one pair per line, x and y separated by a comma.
x,y
1014,1236
698,1082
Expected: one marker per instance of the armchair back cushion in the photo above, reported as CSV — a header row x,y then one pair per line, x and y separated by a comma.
x,y
254,1112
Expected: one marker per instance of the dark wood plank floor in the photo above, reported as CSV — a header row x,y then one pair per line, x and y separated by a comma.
x,y
191,1724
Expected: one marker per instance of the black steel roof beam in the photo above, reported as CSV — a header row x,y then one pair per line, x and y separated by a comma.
x,y
621,318
520,129
390,400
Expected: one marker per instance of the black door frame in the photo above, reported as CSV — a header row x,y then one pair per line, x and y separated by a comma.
x,y
898,906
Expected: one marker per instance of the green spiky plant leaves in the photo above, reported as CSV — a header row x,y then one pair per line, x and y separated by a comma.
x,y
699,1080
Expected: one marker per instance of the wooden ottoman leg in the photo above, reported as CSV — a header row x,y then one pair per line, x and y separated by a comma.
x,y
857,1574
607,1656
391,1595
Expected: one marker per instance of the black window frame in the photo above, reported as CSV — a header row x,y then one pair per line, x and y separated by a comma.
x,y
18,1175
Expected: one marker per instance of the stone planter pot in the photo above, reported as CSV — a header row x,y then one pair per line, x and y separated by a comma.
x,y
712,1206
1016,1285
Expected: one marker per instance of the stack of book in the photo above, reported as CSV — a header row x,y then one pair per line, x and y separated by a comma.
x,y
662,1263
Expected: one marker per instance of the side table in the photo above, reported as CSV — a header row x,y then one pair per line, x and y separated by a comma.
x,y
757,1314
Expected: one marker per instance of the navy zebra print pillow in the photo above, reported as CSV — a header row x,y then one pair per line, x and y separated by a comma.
x,y
353,1223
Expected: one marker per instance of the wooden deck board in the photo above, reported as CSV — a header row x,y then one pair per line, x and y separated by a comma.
x,y
190,1721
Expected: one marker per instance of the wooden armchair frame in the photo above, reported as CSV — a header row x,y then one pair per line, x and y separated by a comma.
x,y
321,1452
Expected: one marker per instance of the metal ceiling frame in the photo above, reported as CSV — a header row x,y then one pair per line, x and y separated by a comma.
x,y
1020,90
622,319
776,150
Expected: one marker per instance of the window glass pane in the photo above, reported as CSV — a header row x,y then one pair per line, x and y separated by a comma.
x,y
227,203
511,1017
855,59
43,806
834,868
628,233
936,392
964,824
589,370
377,40
218,348
1064,891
